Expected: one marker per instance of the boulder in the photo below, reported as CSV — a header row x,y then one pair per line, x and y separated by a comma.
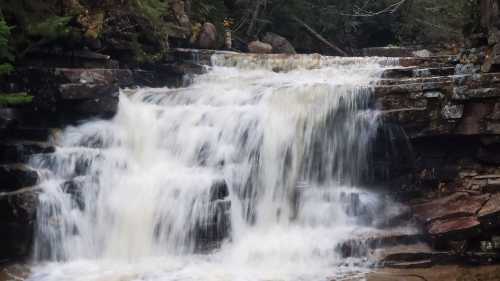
x,y
279,43
259,47
208,36
17,215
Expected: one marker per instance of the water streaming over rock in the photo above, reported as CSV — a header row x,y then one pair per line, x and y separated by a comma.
x,y
253,172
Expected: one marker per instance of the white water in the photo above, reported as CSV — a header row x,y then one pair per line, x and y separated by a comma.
x,y
292,147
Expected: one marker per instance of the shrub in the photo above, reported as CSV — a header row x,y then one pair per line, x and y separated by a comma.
x,y
6,56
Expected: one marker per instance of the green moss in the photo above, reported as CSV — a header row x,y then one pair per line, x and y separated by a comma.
x,y
15,99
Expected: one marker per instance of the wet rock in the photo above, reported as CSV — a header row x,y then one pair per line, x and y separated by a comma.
x,y
9,117
211,232
409,264
184,68
259,47
489,155
454,228
16,176
388,51
459,204
105,107
219,190
482,258
453,111
360,247
17,215
120,77
489,215
278,43
74,188
23,133
208,37
14,152
491,186
86,91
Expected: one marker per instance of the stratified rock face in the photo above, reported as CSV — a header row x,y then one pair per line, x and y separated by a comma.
x,y
259,47
279,43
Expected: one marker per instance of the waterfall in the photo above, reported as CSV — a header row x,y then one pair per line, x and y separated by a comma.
x,y
254,171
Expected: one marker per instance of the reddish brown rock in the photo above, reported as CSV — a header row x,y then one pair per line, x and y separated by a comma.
x,y
489,215
259,47
459,204
455,228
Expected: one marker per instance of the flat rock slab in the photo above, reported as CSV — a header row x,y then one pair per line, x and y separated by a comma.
x,y
455,228
13,152
401,253
460,204
437,273
13,177
86,91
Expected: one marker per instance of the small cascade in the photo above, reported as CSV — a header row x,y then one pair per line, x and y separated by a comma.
x,y
254,171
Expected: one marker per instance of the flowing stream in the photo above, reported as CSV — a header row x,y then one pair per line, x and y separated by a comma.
x,y
254,171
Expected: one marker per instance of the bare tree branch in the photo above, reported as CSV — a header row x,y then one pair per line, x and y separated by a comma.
x,y
319,37
361,12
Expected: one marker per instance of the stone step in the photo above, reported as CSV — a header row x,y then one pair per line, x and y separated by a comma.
x,y
15,152
445,87
432,61
414,72
16,176
86,91
365,243
418,80
468,81
25,133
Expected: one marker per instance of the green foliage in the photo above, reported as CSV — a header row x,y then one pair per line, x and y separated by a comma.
x,y
6,56
15,99
208,10
52,28
358,23
429,21
153,10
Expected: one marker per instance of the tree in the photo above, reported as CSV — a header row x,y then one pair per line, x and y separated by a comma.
x,y
6,56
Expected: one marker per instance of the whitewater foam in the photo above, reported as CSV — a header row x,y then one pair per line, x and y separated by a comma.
x,y
129,198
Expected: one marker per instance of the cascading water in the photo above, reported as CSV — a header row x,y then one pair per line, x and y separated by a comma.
x,y
143,196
